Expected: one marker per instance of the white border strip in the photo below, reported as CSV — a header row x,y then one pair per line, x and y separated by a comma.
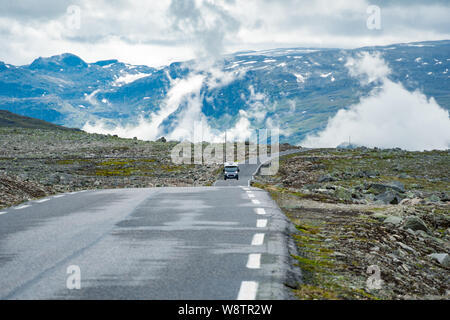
x,y
260,211
254,261
22,207
248,290
42,200
261,223
258,239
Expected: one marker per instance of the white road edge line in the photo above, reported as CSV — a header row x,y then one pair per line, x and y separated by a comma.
x,y
258,239
254,261
248,290
22,207
261,223
256,201
260,211
2,213
59,196
42,200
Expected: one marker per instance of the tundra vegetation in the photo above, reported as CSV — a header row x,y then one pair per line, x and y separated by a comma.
x,y
357,208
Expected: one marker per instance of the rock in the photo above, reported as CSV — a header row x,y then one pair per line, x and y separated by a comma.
x,y
415,223
367,174
338,254
393,220
406,247
325,178
434,198
442,258
445,197
53,179
411,202
379,216
422,234
378,188
343,194
23,176
389,197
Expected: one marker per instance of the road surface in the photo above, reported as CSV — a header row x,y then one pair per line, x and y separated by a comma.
x,y
221,242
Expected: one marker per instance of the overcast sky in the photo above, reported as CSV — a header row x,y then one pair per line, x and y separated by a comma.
x,y
159,32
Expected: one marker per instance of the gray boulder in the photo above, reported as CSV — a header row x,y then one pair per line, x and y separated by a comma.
x,y
393,220
389,197
415,223
383,187
326,178
442,258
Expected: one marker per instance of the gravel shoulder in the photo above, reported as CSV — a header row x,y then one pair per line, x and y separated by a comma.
x,y
370,223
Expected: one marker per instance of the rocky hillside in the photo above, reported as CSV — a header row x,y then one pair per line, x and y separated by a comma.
x,y
39,162
354,209
12,120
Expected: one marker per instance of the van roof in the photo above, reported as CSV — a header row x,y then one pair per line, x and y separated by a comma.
x,y
231,164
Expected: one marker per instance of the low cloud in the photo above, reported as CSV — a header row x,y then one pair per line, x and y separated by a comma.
x,y
389,117
368,67
183,105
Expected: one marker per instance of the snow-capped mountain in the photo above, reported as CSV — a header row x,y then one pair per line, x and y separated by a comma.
x,y
298,88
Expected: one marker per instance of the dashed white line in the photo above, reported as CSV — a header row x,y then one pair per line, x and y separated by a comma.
x,y
261,223
256,201
250,195
22,207
258,239
254,261
260,211
246,189
42,200
2,213
248,290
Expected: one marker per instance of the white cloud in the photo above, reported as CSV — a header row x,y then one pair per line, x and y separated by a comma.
x,y
368,67
184,99
156,33
388,118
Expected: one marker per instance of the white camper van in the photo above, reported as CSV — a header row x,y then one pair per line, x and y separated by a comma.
x,y
231,171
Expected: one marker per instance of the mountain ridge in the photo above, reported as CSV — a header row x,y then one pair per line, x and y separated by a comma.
x,y
300,88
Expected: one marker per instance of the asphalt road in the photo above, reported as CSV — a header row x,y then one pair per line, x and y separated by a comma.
x,y
216,242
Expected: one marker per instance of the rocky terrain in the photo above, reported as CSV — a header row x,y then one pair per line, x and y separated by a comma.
x,y
371,223
39,162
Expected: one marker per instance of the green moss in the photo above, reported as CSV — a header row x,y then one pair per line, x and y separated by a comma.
x,y
308,229
314,265
310,292
114,172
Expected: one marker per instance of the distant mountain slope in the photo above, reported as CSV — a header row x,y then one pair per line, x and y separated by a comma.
x,y
9,119
300,88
